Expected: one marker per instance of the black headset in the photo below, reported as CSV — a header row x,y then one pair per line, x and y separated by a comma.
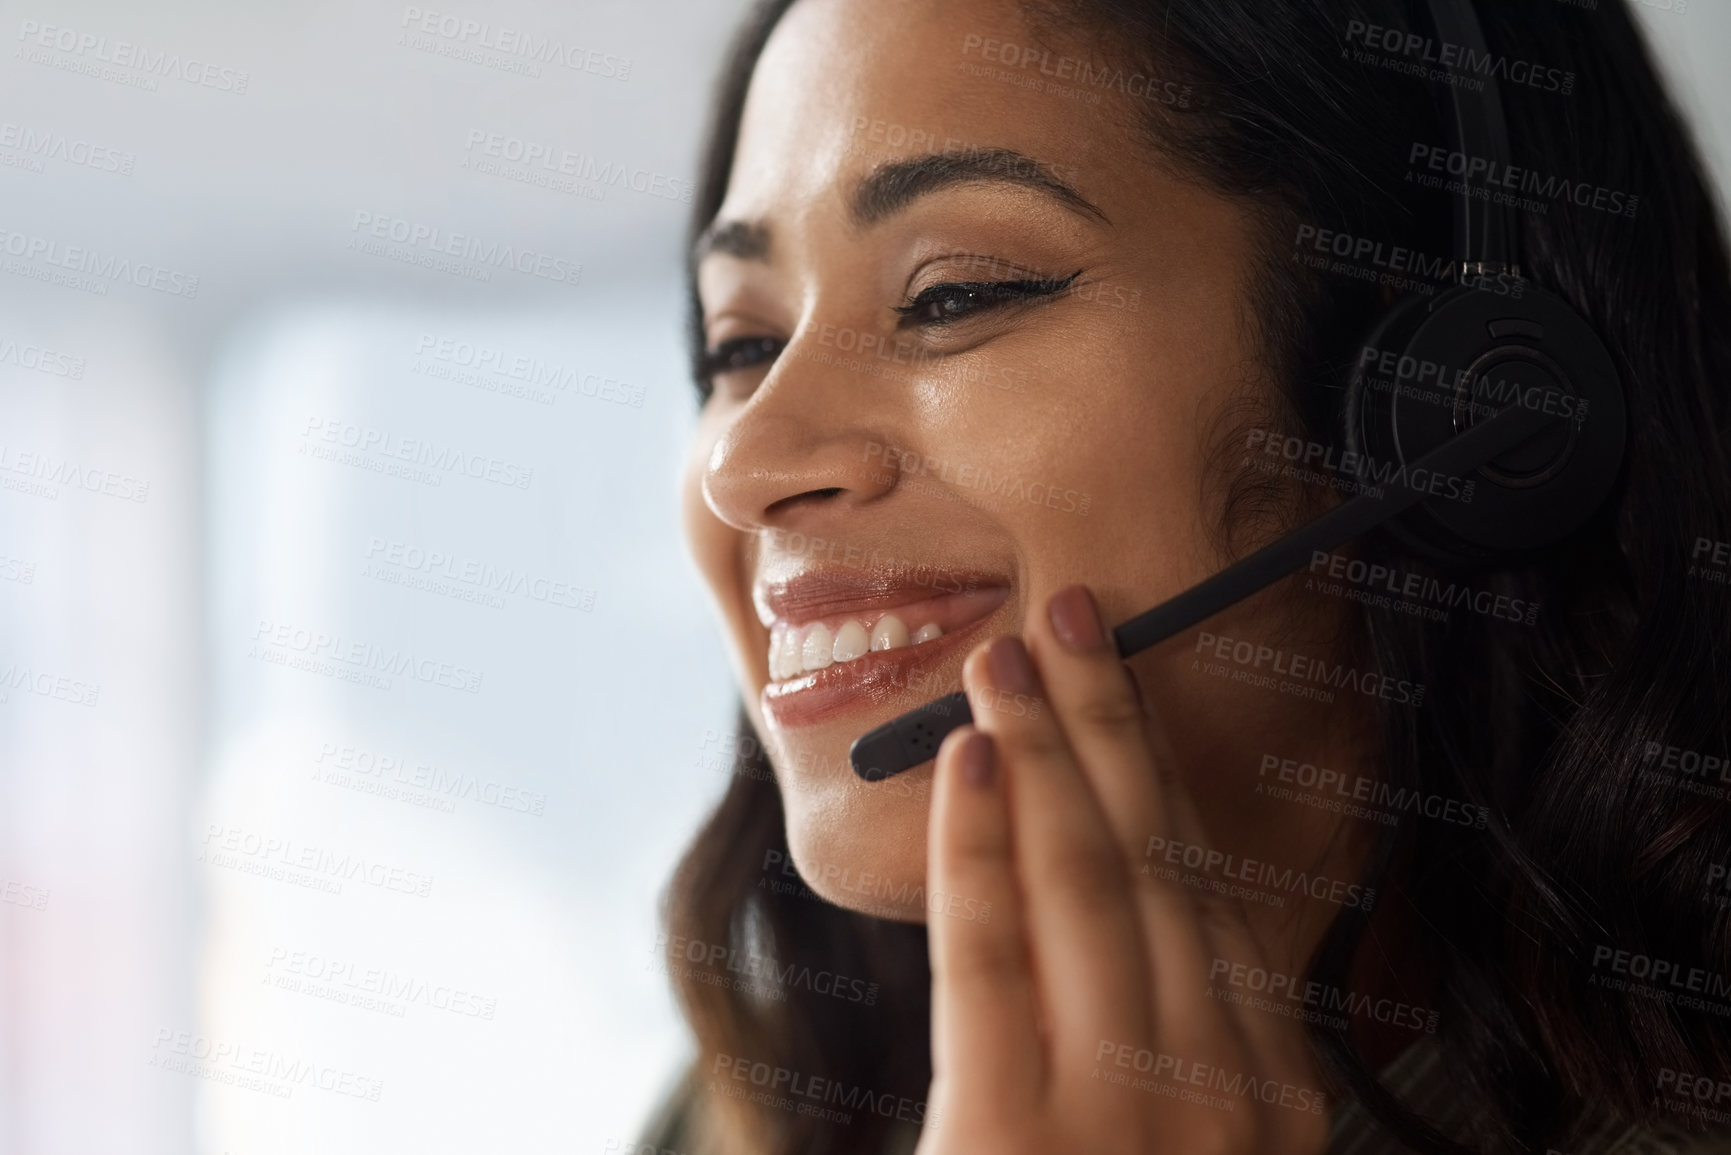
x,y
1479,423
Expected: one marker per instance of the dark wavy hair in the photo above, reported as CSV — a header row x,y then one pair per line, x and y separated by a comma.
x,y
1550,726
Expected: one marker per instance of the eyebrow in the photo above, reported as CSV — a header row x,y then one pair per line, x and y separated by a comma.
x,y
747,240
889,188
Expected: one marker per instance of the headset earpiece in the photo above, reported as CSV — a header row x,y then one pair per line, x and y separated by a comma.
x,y
1434,367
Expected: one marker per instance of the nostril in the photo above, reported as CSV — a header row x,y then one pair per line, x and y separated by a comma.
x,y
787,503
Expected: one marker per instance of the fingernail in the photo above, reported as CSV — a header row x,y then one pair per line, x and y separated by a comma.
x,y
1076,620
1011,670
978,759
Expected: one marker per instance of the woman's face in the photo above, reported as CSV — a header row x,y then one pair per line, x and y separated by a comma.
x,y
904,464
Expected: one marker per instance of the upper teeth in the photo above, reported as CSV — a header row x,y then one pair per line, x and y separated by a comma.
x,y
795,650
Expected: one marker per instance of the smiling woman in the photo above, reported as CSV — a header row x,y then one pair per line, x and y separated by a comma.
x,y
964,404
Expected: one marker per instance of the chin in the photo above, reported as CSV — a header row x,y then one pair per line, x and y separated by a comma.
x,y
859,845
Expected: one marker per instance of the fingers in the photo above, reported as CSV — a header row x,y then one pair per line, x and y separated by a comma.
x,y
985,1039
1085,953
1083,930
1100,711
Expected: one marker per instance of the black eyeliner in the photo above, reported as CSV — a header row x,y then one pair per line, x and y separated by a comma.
x,y
993,293
727,355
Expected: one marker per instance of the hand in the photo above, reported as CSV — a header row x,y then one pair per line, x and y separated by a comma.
x,y
1076,1018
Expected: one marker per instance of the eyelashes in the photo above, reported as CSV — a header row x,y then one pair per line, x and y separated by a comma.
x,y
942,304
731,356
937,305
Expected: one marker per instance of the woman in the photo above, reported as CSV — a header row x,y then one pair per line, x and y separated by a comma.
x,y
998,309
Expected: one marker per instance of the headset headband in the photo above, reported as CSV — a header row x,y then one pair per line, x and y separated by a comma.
x,y
1485,232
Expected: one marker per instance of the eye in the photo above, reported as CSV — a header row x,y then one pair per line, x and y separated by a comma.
x,y
734,355
952,301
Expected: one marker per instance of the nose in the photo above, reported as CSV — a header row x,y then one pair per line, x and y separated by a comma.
x,y
808,444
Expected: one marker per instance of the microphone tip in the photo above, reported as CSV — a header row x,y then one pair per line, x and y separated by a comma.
x,y
878,754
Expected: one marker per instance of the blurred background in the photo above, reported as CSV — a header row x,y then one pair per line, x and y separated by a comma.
x,y
356,695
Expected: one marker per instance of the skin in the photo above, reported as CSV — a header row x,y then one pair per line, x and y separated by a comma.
x,y
1120,404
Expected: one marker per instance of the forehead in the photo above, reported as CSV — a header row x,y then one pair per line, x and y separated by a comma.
x,y
845,85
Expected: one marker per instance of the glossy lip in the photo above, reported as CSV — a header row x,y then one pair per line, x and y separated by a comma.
x,y
839,593
877,678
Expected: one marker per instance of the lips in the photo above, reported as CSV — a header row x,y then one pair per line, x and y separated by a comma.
x,y
847,640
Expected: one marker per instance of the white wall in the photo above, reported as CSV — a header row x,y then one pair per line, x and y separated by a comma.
x,y
122,923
